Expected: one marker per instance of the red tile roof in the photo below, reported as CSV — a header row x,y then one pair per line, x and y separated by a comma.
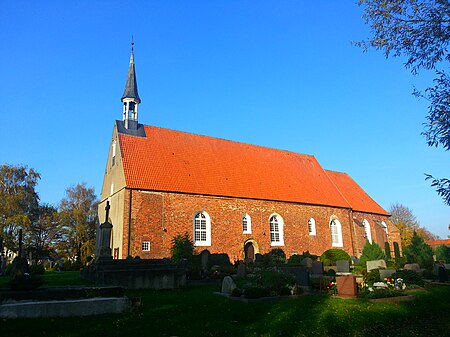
x,y
354,194
438,242
174,161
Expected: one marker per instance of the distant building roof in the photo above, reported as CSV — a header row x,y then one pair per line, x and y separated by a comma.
x,y
174,161
438,242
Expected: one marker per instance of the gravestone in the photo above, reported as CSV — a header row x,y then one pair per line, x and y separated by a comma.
x,y
301,276
346,286
228,285
307,262
374,264
204,257
412,266
241,272
386,273
105,236
343,266
317,268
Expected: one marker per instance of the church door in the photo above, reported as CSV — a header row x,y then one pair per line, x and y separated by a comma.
x,y
249,251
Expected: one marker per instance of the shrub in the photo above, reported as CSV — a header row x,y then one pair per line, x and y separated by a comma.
x,y
396,250
236,292
387,250
274,280
330,256
371,277
379,293
295,259
331,272
371,251
275,257
218,260
409,277
37,269
443,253
419,252
256,292
182,248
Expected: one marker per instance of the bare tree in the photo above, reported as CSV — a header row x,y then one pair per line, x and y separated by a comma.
x,y
404,219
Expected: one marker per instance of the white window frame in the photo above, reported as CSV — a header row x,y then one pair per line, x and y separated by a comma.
x,y
385,228
312,226
113,153
246,224
276,230
202,229
145,246
336,233
367,231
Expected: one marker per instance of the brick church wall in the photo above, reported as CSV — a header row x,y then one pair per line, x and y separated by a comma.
x,y
158,217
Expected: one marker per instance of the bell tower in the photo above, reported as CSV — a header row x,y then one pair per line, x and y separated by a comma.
x,y
130,96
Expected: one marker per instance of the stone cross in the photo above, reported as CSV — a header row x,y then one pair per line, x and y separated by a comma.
x,y
107,211
105,236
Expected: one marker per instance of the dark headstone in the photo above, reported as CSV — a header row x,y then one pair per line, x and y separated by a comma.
x,y
204,256
301,276
442,274
342,266
317,268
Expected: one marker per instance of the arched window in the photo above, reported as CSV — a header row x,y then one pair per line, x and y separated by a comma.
x,y
276,230
246,224
202,229
367,232
384,226
336,233
312,226
113,153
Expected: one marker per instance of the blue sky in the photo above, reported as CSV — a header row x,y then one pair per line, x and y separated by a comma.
x,y
281,74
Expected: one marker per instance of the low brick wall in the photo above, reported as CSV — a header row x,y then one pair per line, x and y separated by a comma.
x,y
137,274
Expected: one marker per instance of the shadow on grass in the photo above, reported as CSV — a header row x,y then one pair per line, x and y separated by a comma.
x,y
196,311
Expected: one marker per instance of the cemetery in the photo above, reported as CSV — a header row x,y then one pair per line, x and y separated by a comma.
x,y
332,294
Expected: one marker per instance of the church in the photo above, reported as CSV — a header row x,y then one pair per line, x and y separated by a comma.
x,y
230,197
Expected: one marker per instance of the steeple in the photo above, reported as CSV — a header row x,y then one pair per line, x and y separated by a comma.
x,y
130,96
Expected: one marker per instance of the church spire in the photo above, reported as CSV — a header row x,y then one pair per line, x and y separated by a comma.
x,y
130,96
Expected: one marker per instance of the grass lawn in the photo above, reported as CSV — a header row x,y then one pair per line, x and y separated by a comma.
x,y
196,311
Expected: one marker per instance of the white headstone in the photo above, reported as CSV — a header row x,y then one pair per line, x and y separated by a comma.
x,y
228,285
374,264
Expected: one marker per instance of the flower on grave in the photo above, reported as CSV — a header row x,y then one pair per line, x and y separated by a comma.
x,y
370,289
389,281
332,288
398,284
